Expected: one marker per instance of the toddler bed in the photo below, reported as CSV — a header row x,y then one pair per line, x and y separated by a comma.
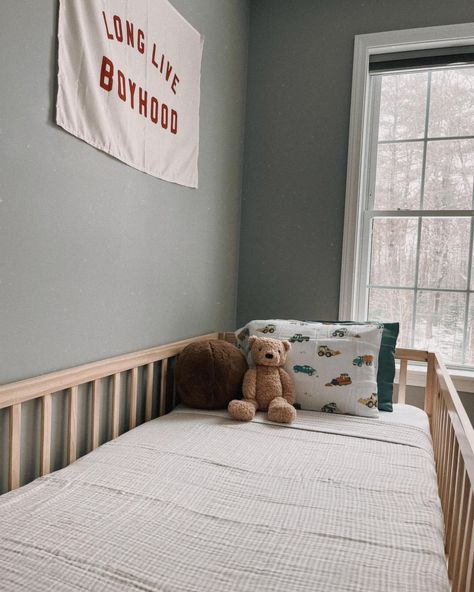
x,y
195,501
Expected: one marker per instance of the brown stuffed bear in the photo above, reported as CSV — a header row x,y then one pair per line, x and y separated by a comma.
x,y
268,386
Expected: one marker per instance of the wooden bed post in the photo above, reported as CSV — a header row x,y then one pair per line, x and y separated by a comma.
x,y
431,384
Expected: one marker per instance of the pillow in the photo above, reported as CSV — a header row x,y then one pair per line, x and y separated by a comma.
x,y
333,367
386,362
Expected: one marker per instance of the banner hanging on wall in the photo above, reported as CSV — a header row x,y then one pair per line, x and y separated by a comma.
x,y
129,83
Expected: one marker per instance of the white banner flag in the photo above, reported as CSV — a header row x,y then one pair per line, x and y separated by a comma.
x,y
129,83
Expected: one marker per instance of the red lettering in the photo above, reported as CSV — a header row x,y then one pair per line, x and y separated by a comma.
x,y
174,83
132,86
153,56
107,74
130,36
154,110
164,116
118,28
142,101
174,122
169,69
109,35
162,62
141,41
121,86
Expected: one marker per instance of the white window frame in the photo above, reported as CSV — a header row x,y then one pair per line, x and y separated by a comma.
x,y
354,253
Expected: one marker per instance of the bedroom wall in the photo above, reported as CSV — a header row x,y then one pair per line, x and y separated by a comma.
x,y
297,124
98,259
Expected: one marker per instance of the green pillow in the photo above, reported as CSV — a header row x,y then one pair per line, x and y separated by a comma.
x,y
386,364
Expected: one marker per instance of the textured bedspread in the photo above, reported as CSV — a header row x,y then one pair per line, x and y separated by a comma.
x,y
198,502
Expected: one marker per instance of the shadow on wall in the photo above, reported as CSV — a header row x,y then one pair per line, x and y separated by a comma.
x,y
53,71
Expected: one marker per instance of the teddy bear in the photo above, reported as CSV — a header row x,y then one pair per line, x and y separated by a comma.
x,y
267,387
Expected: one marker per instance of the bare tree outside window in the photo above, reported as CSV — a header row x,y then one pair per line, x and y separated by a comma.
x,y
420,208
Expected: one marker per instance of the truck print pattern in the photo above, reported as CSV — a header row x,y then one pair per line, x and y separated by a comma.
x,y
324,350
369,402
332,365
342,380
368,360
298,337
243,334
304,369
330,408
267,329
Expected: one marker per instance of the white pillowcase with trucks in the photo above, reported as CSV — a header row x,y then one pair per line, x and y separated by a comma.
x,y
333,367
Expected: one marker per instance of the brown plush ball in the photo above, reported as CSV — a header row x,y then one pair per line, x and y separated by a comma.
x,y
209,374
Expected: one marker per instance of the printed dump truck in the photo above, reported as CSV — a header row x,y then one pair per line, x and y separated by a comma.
x,y
361,360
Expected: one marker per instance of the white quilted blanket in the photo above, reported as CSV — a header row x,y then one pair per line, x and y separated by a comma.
x,y
197,502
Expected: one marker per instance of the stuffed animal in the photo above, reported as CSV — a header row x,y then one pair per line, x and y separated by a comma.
x,y
267,387
209,374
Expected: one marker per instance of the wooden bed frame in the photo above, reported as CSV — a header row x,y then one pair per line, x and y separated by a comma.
x,y
451,430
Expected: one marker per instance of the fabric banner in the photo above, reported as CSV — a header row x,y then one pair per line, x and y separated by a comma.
x,y
129,83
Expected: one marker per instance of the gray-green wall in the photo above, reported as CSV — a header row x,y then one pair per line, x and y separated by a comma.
x,y
297,125
96,258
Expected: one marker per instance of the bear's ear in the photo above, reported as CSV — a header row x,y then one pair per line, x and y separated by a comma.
x,y
252,340
286,345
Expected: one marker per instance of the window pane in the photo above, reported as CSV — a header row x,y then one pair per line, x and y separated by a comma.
x,y
444,253
403,106
393,305
449,174
393,251
470,334
454,88
398,176
440,322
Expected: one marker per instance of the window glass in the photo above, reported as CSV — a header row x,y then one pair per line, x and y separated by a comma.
x,y
419,209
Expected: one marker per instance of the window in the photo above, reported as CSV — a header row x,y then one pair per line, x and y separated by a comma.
x,y
413,221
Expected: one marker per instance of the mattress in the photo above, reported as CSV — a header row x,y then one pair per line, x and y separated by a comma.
x,y
406,415
194,501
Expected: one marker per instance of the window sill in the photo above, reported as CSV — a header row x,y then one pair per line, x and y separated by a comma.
x,y
416,376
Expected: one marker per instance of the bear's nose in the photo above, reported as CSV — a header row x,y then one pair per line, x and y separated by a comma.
x,y
269,356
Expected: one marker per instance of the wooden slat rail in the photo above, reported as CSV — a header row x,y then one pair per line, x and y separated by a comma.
x,y
13,395
33,388
453,443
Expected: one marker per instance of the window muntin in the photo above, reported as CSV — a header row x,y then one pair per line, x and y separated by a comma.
x,y
417,227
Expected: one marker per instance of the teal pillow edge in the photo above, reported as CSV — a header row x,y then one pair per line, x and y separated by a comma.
x,y
386,362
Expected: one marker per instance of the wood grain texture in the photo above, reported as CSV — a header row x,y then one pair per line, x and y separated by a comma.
x,y
72,426
45,441
15,447
149,392
132,421
163,386
116,381
402,382
95,415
